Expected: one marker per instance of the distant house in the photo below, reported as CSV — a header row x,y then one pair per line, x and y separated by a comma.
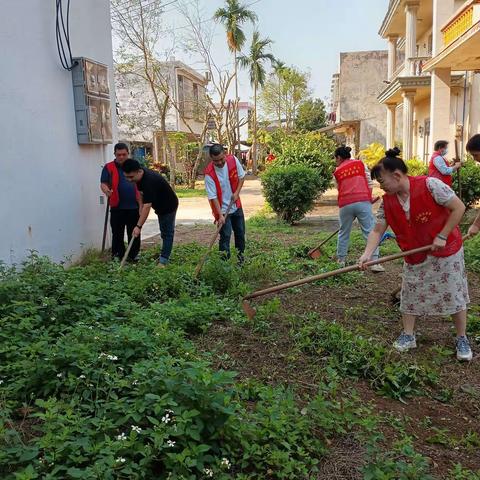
x,y
356,118
139,121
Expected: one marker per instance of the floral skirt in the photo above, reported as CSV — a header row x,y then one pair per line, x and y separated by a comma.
x,y
438,286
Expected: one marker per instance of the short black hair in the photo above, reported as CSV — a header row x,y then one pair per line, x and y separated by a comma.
x,y
473,145
130,165
390,162
215,149
343,152
440,144
121,146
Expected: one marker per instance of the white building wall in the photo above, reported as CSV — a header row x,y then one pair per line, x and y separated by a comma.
x,y
49,183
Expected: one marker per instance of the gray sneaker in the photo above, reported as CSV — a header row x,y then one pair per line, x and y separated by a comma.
x,y
405,342
464,352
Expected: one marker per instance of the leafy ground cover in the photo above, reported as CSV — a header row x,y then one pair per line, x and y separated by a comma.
x,y
146,373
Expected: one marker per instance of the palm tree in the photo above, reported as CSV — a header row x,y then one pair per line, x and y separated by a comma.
x,y
254,62
233,16
279,68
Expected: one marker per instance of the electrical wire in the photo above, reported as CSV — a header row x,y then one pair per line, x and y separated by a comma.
x,y
62,33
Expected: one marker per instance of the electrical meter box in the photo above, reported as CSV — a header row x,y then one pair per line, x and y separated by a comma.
x,y
91,94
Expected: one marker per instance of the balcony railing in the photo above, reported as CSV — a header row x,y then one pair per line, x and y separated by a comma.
x,y
418,63
461,22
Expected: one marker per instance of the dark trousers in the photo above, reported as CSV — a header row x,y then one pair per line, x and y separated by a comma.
x,y
166,222
119,220
236,222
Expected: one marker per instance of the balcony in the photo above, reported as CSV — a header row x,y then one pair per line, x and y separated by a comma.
x,y
420,82
461,40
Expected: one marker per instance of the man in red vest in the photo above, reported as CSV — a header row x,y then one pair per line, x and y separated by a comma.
x,y
124,199
224,178
438,166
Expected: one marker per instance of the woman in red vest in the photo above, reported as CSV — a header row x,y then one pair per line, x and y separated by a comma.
x,y
423,211
439,167
354,200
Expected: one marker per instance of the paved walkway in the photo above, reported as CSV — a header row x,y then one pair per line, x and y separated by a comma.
x,y
197,210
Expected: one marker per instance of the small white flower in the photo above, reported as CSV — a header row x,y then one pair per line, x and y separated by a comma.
x,y
96,338
136,429
208,472
1,381
166,418
225,463
52,318
135,382
102,355
59,375
82,377
169,411
121,460
170,443
112,357
121,437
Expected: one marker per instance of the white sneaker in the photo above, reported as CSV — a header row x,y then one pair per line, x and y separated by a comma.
x,y
405,342
464,352
377,268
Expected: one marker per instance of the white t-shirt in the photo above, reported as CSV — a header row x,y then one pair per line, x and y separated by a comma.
x,y
222,174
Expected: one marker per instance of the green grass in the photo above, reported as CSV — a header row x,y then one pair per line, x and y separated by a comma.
x,y
190,192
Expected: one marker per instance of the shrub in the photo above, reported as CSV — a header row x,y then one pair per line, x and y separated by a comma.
x,y
470,180
291,190
416,167
310,149
372,154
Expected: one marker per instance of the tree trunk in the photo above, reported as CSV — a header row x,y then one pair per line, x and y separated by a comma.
x,y
237,104
254,143
168,157
279,102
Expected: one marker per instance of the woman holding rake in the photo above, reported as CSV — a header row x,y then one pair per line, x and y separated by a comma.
x,y
423,211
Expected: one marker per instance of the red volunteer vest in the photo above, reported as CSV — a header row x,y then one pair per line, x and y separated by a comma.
x,y
232,176
434,172
352,183
427,218
115,179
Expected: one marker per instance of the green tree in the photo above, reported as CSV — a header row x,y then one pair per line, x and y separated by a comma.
x,y
278,68
311,115
255,63
233,16
284,91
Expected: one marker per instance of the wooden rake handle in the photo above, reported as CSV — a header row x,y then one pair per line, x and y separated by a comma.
x,y
321,244
212,241
124,259
351,268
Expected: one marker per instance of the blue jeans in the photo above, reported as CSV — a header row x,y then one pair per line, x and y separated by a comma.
x,y
167,231
363,212
236,222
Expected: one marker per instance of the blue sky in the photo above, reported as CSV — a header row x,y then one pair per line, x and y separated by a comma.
x,y
310,34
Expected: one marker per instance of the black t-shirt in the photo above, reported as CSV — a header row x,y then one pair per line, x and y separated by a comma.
x,y
157,191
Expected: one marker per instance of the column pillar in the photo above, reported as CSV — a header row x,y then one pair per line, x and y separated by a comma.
x,y
408,108
392,55
440,106
442,11
391,109
411,9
